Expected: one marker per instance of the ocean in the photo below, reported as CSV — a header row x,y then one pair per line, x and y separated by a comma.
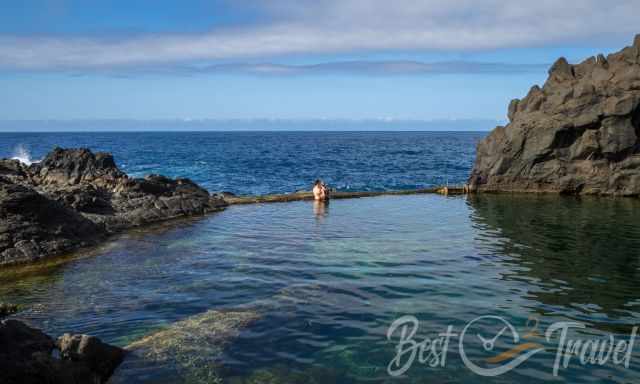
x,y
252,163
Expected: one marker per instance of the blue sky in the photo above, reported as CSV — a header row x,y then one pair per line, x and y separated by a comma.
x,y
305,59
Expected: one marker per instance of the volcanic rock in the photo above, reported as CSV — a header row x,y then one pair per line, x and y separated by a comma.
x,y
75,198
27,357
578,134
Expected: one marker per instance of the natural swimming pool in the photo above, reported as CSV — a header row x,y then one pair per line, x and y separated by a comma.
x,y
326,283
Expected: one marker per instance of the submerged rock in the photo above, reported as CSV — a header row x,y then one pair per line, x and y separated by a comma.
x,y
578,134
74,198
26,357
285,375
188,350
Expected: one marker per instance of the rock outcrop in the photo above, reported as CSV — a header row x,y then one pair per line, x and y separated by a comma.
x,y
33,225
27,357
7,309
578,134
89,351
74,198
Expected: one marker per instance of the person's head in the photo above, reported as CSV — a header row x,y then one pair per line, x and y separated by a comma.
x,y
318,182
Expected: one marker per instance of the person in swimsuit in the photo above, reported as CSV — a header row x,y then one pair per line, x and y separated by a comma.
x,y
320,191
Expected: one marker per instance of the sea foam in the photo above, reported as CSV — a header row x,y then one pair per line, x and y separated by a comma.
x,y
21,154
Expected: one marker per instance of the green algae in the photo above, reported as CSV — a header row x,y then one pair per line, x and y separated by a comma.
x,y
188,350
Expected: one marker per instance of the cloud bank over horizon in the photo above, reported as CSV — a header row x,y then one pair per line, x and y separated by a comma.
x,y
332,27
356,67
291,59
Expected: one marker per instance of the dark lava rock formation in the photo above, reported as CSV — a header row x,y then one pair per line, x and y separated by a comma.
x,y
578,134
27,357
74,198
7,309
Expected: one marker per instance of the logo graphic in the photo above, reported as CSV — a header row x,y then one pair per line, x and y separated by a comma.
x,y
491,346
508,359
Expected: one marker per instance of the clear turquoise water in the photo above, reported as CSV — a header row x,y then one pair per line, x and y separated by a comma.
x,y
328,283
275,162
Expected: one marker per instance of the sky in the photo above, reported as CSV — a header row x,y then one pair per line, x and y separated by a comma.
x,y
303,59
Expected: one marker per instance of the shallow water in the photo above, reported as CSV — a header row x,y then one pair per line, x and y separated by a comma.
x,y
328,282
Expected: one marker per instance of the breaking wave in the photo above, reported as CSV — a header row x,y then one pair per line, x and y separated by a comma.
x,y
21,154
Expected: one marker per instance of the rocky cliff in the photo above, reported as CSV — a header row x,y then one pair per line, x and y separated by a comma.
x,y
74,198
578,134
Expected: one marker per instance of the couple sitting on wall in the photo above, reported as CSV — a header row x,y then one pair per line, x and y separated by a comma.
x,y
320,191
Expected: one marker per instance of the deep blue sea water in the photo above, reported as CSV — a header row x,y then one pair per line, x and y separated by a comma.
x,y
275,162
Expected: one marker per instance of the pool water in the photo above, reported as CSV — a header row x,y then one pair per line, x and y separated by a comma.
x,y
328,281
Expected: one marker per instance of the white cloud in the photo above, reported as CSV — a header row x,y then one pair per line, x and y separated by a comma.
x,y
338,26
386,67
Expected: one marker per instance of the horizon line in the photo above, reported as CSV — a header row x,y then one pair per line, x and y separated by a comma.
x,y
250,130
250,125
252,119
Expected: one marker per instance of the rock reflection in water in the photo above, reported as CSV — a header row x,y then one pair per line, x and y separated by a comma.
x,y
579,256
